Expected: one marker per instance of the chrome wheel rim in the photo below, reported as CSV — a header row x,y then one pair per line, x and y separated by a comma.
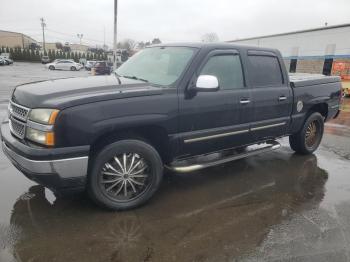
x,y
312,134
125,177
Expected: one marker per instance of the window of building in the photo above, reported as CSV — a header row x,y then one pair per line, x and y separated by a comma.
x,y
228,70
327,66
265,71
293,65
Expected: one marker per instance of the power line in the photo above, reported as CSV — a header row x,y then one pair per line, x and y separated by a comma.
x,y
73,36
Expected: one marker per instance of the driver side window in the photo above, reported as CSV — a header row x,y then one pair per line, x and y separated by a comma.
x,y
227,68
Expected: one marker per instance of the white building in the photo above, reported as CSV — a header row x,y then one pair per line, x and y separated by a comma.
x,y
311,51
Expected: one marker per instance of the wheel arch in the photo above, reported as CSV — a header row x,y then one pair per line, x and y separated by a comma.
x,y
155,135
321,108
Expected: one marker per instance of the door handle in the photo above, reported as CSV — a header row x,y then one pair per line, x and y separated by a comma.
x,y
244,101
282,98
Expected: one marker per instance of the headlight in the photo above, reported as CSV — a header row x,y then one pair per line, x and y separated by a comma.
x,y
41,137
40,126
43,116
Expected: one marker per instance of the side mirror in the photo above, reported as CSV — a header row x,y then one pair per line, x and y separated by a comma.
x,y
207,83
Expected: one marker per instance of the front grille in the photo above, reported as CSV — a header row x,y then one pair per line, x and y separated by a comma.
x,y
18,116
17,128
18,111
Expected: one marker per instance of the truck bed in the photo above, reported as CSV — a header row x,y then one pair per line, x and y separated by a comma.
x,y
300,80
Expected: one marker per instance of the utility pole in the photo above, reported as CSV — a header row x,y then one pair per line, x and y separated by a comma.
x,y
80,36
115,35
43,25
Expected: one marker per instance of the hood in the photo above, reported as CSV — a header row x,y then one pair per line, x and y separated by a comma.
x,y
67,92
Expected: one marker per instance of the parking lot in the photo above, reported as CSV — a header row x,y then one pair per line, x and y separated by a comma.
x,y
22,72
273,207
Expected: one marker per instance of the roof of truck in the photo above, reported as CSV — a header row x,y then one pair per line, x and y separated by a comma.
x,y
215,45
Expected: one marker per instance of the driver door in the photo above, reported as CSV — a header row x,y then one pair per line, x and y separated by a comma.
x,y
211,121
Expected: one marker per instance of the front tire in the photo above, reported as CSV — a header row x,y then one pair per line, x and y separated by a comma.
x,y
125,174
51,67
73,68
307,140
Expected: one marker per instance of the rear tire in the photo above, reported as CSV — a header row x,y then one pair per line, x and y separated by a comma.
x,y
307,140
129,183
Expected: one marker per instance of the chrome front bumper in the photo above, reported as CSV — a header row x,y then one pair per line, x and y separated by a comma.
x,y
64,168
60,169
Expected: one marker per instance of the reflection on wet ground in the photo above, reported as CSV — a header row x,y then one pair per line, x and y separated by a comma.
x,y
272,207
219,214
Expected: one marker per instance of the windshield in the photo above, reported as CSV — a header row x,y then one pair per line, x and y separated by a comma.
x,y
157,65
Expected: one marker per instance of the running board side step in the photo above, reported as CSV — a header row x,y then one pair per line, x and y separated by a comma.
x,y
181,167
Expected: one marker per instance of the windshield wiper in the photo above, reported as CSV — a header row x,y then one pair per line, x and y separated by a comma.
x,y
117,76
136,78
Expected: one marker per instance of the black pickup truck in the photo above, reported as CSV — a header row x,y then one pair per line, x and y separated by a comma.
x,y
184,107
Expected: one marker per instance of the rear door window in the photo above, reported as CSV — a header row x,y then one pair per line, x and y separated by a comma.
x,y
265,71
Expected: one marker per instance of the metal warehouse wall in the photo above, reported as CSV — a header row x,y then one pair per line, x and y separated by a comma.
x,y
13,40
309,47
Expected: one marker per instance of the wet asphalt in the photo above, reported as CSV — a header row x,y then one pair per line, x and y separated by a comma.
x,y
277,206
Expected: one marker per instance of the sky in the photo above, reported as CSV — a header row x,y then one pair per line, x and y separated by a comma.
x,y
171,21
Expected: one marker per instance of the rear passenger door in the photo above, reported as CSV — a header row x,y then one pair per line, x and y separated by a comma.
x,y
271,95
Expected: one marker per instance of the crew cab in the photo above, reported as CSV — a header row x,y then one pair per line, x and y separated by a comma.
x,y
183,107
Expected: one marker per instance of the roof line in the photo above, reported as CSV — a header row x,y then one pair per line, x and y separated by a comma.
x,y
10,32
293,32
5,31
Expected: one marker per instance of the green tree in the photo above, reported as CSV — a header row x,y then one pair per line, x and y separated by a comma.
x,y
59,45
11,52
37,55
19,54
30,56
156,41
14,55
23,55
